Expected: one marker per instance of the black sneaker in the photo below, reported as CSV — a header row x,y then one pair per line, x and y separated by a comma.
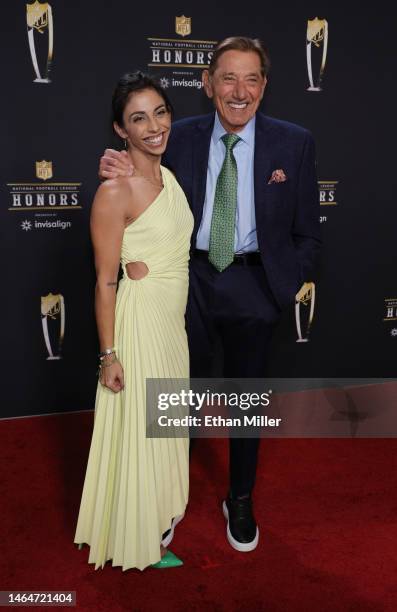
x,y
168,535
242,531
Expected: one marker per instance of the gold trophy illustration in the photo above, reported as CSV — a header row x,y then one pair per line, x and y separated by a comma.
x,y
306,298
316,37
53,322
39,19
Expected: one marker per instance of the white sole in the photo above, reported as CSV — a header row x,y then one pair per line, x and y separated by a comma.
x,y
167,541
241,547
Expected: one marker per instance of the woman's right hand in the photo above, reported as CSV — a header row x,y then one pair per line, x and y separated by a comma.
x,y
114,164
112,377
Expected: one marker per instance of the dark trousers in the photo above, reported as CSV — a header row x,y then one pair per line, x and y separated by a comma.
x,y
230,319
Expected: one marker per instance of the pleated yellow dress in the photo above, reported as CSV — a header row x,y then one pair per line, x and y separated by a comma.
x,y
135,485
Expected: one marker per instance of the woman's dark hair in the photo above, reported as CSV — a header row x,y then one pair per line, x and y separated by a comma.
x,y
131,83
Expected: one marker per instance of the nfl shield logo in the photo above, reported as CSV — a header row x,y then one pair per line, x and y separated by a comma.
x,y
44,170
315,30
183,25
37,15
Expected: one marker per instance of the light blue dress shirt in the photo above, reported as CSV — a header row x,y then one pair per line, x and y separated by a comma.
x,y
245,239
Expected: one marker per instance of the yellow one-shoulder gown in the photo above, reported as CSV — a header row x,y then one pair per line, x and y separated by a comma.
x,y
135,485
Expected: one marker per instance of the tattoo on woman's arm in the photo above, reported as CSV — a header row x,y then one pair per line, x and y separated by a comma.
x,y
112,284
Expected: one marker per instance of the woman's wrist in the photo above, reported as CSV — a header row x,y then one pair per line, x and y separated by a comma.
x,y
106,351
107,357
107,360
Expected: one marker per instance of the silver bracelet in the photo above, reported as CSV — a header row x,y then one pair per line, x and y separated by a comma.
x,y
104,364
108,351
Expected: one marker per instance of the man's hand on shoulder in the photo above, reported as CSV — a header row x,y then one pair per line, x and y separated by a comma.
x,y
114,164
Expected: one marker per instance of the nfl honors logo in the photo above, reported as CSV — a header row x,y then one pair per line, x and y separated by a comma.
x,y
181,57
183,25
35,197
44,170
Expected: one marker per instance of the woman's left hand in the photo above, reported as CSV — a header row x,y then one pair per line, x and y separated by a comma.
x,y
112,376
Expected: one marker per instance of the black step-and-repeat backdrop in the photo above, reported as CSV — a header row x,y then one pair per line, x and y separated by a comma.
x,y
331,72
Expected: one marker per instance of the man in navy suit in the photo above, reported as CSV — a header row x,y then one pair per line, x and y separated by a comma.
x,y
265,170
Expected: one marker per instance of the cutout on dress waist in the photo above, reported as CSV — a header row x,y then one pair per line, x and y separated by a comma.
x,y
136,270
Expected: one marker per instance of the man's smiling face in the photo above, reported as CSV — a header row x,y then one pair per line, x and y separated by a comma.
x,y
236,87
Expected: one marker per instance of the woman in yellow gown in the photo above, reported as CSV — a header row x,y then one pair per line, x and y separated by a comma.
x,y
136,486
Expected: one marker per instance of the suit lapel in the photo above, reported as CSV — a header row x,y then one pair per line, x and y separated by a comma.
x,y
201,149
264,150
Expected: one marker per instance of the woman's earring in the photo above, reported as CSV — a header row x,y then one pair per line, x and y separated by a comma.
x,y
126,143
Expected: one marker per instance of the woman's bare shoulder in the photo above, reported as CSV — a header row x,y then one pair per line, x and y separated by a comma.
x,y
112,194
113,188
123,187
110,202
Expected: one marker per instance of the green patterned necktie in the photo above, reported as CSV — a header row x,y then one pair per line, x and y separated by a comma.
x,y
221,249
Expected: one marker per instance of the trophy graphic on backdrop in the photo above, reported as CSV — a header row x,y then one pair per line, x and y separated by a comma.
x,y
305,297
39,18
53,322
316,36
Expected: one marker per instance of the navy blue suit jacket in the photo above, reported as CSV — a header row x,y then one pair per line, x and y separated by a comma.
x,y
287,214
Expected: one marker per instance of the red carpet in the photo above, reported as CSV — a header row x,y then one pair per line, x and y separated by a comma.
x,y
327,511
